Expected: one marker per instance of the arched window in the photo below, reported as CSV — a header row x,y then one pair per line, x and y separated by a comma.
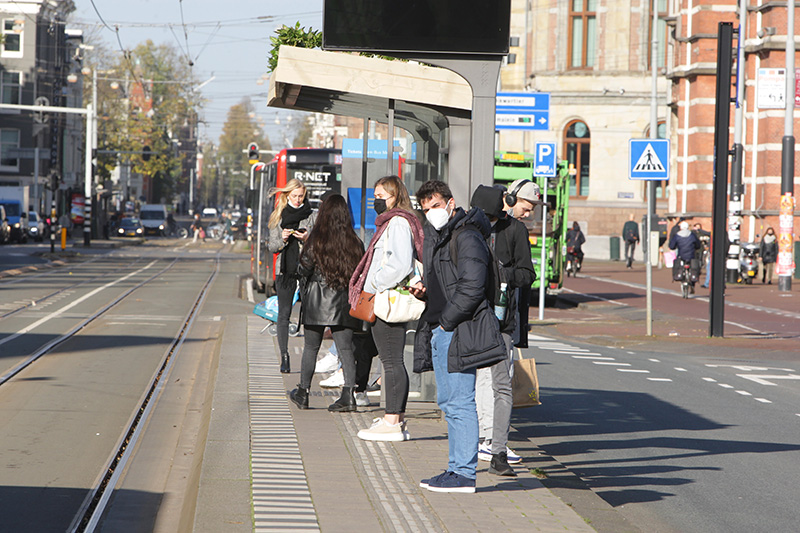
x,y
576,147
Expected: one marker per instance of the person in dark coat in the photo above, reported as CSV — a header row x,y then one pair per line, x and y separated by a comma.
x,y
512,249
575,240
769,255
329,258
685,243
630,234
458,331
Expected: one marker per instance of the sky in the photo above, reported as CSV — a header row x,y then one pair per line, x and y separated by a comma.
x,y
227,40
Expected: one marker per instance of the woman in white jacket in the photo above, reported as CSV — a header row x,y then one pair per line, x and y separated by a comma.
x,y
388,262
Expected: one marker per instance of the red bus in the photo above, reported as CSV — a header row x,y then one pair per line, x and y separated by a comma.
x,y
320,169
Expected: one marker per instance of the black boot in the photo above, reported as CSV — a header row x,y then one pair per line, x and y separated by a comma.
x,y
285,364
346,403
300,397
500,466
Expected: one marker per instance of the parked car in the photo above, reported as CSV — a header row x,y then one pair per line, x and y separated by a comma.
x,y
5,231
37,229
154,218
130,227
209,212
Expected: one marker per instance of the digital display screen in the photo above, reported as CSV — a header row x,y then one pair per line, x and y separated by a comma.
x,y
450,26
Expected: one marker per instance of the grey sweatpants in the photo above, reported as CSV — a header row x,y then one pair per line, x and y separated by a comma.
x,y
494,401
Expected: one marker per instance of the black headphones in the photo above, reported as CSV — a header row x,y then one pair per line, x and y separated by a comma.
x,y
511,198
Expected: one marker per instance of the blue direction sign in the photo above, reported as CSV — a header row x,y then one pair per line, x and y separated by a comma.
x,y
544,164
522,111
649,159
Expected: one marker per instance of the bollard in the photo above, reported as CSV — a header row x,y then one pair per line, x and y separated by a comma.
x,y
63,239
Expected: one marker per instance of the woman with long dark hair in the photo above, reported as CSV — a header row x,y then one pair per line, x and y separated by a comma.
x,y
288,225
390,260
330,256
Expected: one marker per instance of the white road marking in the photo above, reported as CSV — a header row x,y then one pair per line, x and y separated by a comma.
x,y
762,400
748,368
532,337
679,369
654,360
598,357
587,352
762,378
613,364
633,370
596,297
710,380
743,393
725,385
69,306
658,379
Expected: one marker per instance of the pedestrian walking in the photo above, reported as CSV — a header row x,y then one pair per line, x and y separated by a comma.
x,y
458,331
288,225
389,262
329,257
227,228
630,234
769,255
493,398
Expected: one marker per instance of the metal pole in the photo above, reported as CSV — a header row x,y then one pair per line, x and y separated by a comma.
x,y
390,140
37,203
543,263
87,179
719,208
260,220
364,180
651,204
737,164
785,250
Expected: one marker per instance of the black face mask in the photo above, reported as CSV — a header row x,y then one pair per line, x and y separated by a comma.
x,y
380,205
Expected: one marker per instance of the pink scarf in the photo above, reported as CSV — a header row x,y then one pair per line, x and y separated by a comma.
x,y
359,277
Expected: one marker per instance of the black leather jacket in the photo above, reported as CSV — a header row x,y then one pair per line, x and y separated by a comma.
x,y
322,306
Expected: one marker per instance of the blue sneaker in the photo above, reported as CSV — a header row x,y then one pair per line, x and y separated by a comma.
x,y
425,482
451,482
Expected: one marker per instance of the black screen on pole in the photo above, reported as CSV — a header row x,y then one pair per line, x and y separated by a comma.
x,y
453,26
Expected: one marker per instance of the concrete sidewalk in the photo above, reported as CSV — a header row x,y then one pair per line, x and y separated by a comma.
x,y
311,473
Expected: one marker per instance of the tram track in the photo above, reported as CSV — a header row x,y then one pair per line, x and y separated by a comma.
x,y
41,299
50,346
94,505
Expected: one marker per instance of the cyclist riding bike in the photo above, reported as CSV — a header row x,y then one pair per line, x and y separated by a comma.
x,y
575,240
685,242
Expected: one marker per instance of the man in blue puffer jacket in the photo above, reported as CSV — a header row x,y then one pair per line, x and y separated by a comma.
x,y
458,331
686,242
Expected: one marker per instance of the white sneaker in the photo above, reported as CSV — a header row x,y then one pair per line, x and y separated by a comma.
x,y
512,457
404,429
336,380
329,363
362,400
484,451
381,431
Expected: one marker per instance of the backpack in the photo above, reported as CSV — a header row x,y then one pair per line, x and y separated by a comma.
x,y
496,276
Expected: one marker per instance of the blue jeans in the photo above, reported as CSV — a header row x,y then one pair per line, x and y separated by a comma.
x,y
456,397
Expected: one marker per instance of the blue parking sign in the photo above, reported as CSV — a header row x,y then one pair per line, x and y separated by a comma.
x,y
649,159
544,164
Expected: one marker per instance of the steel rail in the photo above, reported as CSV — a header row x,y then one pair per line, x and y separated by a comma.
x,y
94,505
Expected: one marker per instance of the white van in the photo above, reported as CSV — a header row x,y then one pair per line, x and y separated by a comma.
x,y
154,218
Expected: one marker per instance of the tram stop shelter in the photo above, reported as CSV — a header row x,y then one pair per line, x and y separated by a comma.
x,y
434,105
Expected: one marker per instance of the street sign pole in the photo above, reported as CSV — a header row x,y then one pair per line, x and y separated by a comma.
x,y
544,166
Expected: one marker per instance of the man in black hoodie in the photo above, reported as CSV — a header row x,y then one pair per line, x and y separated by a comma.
x,y
458,331
512,249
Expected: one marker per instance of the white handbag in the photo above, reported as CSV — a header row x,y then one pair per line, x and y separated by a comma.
x,y
398,305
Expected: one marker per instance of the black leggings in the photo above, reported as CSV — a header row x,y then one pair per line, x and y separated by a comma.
x,y
390,340
285,288
343,337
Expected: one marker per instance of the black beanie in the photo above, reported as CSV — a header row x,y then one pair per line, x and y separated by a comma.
x,y
489,199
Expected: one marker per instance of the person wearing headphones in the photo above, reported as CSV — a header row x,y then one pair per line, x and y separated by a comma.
x,y
523,195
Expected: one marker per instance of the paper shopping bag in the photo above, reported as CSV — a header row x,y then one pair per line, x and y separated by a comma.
x,y
525,383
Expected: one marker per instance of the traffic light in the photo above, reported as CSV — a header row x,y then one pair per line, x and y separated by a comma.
x,y
252,153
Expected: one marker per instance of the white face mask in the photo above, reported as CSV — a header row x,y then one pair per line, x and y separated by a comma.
x,y
438,217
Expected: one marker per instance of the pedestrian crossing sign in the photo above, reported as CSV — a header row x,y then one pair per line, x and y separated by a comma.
x,y
649,159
